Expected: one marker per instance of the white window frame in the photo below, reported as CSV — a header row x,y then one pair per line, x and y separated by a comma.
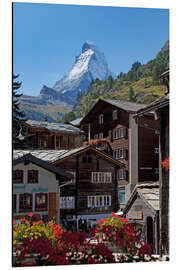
x,y
115,115
101,119
99,200
100,135
121,132
156,170
115,134
74,174
122,191
121,176
101,177
156,150
120,153
67,202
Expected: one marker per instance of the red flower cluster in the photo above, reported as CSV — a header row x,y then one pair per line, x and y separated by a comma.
x,y
165,163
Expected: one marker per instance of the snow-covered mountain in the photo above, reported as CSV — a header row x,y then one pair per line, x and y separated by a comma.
x,y
89,65
54,101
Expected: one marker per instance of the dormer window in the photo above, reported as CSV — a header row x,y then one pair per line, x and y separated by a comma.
x,y
115,134
121,132
114,115
101,119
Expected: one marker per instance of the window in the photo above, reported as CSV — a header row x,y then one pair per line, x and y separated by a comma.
x,y
115,154
101,120
120,153
96,136
101,135
156,170
32,176
74,174
114,115
101,177
67,202
99,200
89,159
115,133
41,202
156,150
14,203
121,196
121,174
25,202
121,132
18,176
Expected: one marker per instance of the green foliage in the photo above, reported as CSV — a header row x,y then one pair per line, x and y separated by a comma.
x,y
17,113
68,117
131,94
79,96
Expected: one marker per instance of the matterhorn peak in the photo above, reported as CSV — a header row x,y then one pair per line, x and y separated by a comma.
x,y
89,65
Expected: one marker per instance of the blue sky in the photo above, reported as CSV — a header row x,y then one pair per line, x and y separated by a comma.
x,y
48,37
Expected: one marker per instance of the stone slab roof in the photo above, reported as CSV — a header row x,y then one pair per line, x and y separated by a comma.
x,y
54,127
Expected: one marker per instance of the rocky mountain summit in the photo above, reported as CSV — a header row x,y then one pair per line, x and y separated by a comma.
x,y
89,65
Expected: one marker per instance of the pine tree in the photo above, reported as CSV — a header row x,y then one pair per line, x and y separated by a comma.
x,y
131,94
18,115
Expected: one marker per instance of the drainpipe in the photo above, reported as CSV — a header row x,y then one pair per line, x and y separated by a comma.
x,y
89,132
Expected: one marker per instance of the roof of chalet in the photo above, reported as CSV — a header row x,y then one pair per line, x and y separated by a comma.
x,y
149,192
155,105
28,157
54,127
53,156
127,106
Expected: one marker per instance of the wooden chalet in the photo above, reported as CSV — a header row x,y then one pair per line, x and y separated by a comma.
x,y
161,115
142,210
45,135
93,193
135,146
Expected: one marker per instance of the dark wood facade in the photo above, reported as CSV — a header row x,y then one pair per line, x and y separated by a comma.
x,y
42,138
124,136
85,188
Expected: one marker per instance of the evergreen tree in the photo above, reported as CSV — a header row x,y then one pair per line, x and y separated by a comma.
x,y
131,94
68,117
18,114
110,81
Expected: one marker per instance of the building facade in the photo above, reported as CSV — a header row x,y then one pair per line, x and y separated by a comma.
x,y
44,135
142,210
161,115
36,188
135,146
92,194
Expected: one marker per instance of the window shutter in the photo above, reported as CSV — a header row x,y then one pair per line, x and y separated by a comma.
x,y
127,175
125,132
127,153
111,135
124,153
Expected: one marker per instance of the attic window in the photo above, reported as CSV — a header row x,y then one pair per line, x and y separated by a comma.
x,y
114,115
101,119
